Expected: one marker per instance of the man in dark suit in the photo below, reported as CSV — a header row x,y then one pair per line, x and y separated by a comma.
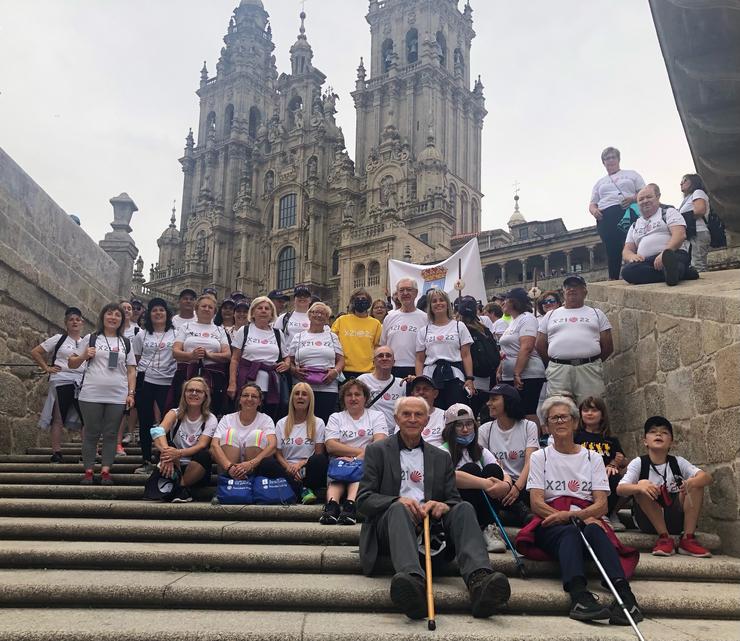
x,y
404,480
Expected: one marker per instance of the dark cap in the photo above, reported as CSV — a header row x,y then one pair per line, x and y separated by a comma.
x,y
242,302
188,292
658,421
156,302
502,389
135,301
419,379
302,290
468,306
518,293
227,301
72,311
210,290
237,295
277,294
574,279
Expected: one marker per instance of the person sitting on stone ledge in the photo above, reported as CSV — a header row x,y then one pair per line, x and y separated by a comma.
x,y
406,479
668,492
656,249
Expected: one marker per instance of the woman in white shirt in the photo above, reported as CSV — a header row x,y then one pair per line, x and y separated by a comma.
x,y
611,196
696,201
155,368
257,355
184,437
201,349
225,317
300,445
347,434
130,417
62,379
108,387
316,357
443,352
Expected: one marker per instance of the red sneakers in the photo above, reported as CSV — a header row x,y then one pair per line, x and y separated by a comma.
x,y
88,478
664,546
690,546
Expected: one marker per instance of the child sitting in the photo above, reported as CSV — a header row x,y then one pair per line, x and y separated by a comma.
x,y
668,492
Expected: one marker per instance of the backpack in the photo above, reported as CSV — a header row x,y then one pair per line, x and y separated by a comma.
x,y
286,318
717,235
672,463
126,341
57,347
485,353
277,338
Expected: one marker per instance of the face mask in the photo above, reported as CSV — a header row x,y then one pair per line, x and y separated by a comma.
x,y
362,305
465,439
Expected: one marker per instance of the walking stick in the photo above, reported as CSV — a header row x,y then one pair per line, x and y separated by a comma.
x,y
515,554
428,560
579,525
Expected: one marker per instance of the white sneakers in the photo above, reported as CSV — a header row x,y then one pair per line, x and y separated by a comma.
x,y
494,543
616,524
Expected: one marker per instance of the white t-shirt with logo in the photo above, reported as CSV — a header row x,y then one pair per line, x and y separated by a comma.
x,y
651,235
103,385
297,446
612,189
499,327
574,333
575,475
443,342
297,322
68,348
189,432
317,350
523,325
387,404
400,330
688,205
231,431
432,433
156,359
509,446
355,433
131,331
260,345
412,474
209,336
656,473
178,321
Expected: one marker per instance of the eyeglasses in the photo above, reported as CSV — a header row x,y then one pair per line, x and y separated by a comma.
x,y
464,425
195,392
549,301
559,418
384,355
407,290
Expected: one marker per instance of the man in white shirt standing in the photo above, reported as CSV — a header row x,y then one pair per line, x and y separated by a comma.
x,y
656,249
575,339
385,389
401,326
186,308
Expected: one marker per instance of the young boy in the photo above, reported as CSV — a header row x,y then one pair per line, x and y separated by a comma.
x,y
668,492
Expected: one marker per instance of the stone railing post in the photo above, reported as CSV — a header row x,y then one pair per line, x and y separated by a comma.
x,y
118,243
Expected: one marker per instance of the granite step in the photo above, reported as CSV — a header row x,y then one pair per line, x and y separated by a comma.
x,y
76,450
6,459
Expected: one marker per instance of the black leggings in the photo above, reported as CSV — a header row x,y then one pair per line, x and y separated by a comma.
x,y
146,395
66,400
325,404
475,497
612,237
315,478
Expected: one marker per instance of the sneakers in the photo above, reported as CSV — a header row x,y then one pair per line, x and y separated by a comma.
x,y
585,606
127,438
182,495
616,613
145,469
120,451
308,497
616,524
690,546
488,590
348,515
330,515
105,478
493,539
57,457
664,546
408,593
670,267
88,478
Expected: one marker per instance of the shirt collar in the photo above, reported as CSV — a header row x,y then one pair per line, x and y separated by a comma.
x,y
402,445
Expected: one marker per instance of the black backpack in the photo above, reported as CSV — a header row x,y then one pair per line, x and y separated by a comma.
x,y
126,341
717,235
57,347
672,463
485,352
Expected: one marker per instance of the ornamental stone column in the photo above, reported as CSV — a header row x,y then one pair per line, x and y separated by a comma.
x,y
523,261
118,243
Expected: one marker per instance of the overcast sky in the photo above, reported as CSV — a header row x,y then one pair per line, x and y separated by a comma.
x,y
96,97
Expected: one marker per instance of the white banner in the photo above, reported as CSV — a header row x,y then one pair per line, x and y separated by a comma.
x,y
463,265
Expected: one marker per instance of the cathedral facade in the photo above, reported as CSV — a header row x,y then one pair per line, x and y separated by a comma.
x,y
271,197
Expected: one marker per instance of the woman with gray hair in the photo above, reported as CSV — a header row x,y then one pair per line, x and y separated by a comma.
x,y
359,334
611,196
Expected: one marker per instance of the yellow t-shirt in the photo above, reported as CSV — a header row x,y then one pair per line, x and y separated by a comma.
x,y
359,337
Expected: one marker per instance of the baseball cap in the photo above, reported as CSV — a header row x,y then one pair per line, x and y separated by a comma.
x,y
458,412
72,311
210,290
136,302
468,306
502,389
419,379
276,294
301,290
574,279
518,293
242,302
237,295
188,292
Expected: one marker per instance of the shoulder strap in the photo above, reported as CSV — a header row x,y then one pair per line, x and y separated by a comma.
x,y
58,346
372,402
202,427
137,329
644,467
174,430
246,333
93,339
286,318
459,340
279,343
663,210
126,344
673,464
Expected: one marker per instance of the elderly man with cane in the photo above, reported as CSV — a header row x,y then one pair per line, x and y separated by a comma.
x,y
406,480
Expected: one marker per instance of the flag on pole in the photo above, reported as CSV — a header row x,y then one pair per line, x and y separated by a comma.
x,y
463,267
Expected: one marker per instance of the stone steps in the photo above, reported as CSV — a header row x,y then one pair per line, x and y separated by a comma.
x,y
77,451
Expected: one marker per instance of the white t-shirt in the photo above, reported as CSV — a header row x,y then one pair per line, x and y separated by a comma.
x,y
193,335
178,321
651,235
486,322
412,474
297,446
297,322
612,189
69,347
575,475
231,431
523,325
400,330
261,345
574,333
509,446
131,331
657,472
189,432
499,327
317,350
486,457
688,205
443,342
157,361
355,433
432,433
386,405
103,385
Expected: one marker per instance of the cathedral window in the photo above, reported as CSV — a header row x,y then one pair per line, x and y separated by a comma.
x,y
475,216
387,55
412,46
287,216
228,119
464,222
255,119
373,274
441,49
358,276
335,263
286,268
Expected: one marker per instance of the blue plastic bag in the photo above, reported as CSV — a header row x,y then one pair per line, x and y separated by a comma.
x,y
234,491
272,491
345,471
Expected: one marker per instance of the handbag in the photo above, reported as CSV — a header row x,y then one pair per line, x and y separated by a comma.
x,y
276,491
161,488
314,375
345,471
234,491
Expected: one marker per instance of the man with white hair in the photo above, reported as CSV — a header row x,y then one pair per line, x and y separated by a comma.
x,y
401,326
405,480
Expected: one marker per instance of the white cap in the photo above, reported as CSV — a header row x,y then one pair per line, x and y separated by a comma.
x,y
458,412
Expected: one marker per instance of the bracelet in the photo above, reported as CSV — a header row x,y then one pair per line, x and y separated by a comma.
x,y
131,394
470,378
510,484
228,469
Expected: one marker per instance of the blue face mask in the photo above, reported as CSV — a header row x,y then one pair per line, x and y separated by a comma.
x,y
465,439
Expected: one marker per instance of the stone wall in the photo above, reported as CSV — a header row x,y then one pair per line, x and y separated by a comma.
x,y
677,354
47,262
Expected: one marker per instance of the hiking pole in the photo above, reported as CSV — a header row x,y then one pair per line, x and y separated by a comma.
x,y
428,561
517,557
578,524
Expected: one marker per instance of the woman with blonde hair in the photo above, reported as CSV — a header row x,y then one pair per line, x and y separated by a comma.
x,y
300,445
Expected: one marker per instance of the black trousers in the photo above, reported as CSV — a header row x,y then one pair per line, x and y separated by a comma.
x,y
146,395
475,497
452,392
403,372
644,272
325,404
66,400
612,237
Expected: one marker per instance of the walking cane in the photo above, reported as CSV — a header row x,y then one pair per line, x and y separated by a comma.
x,y
579,525
515,554
428,560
